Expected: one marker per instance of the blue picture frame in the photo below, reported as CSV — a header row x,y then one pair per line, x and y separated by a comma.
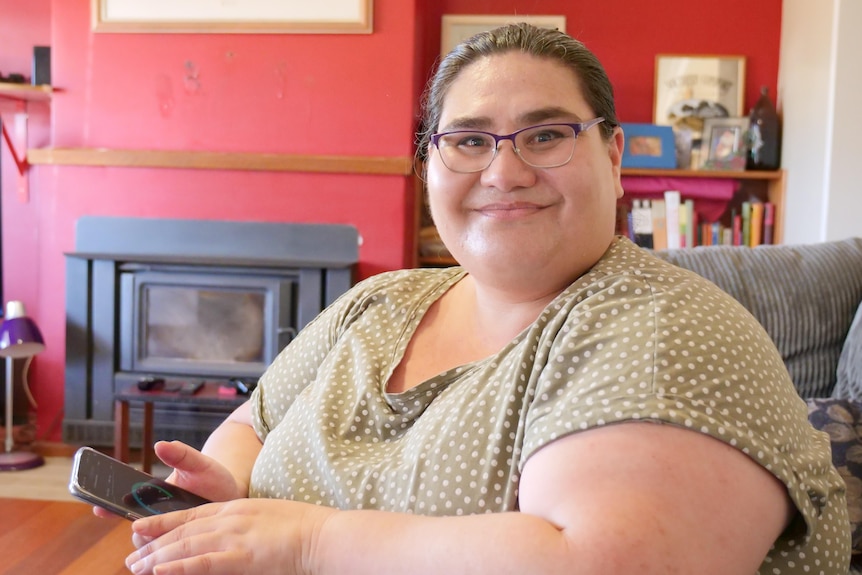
x,y
649,146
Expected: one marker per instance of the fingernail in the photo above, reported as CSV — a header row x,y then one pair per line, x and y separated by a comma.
x,y
132,559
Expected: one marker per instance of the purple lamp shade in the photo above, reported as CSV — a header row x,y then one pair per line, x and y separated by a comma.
x,y
19,336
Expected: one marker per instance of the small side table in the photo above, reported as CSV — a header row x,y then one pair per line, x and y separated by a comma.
x,y
206,395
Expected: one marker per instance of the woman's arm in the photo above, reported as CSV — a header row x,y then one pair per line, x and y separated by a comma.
x,y
222,469
629,498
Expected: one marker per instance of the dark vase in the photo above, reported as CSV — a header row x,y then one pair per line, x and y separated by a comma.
x,y
764,141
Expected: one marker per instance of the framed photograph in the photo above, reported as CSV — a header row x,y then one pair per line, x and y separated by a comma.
x,y
226,17
457,27
724,145
692,89
648,146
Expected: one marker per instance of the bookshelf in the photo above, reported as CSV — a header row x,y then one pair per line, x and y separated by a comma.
x,y
766,186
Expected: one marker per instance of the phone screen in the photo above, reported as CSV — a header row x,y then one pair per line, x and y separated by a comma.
x,y
118,487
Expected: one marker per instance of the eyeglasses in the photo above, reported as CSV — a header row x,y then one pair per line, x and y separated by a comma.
x,y
542,146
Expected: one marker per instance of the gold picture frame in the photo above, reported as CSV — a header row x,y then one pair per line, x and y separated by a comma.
x,y
220,17
691,88
458,27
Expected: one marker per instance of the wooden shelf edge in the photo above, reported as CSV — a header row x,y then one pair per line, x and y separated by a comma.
x,y
184,159
25,91
728,175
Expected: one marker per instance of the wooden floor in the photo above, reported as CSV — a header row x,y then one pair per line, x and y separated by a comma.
x,y
60,538
45,531
48,482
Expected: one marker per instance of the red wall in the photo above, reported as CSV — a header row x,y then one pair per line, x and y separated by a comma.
x,y
626,36
303,94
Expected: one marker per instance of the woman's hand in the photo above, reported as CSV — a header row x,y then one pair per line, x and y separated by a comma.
x,y
195,472
258,536
198,473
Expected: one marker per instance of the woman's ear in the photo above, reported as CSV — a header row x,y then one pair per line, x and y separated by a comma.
x,y
615,151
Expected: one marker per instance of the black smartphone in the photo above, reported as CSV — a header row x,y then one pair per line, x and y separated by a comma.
x,y
120,488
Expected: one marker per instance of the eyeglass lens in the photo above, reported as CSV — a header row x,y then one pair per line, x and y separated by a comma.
x,y
544,146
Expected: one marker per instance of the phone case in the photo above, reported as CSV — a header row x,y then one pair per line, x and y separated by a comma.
x,y
121,489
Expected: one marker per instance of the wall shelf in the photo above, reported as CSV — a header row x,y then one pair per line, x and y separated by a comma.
x,y
185,159
26,92
21,93
719,174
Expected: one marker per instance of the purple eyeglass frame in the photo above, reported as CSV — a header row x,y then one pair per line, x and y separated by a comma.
x,y
578,128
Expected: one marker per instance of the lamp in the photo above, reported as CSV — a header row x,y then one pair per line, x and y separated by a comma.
x,y
19,338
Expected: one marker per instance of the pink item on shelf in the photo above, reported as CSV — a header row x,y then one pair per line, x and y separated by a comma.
x,y
711,195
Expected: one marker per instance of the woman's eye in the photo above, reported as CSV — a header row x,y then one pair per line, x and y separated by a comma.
x,y
545,137
474,141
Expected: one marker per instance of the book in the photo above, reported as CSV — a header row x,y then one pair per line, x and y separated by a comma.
x,y
642,223
736,235
768,222
690,224
746,224
756,224
659,225
672,209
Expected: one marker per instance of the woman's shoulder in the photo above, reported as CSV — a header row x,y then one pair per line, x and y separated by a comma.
x,y
399,288
411,279
626,262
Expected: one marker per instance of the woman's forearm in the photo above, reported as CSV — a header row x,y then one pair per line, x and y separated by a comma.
x,y
235,445
382,543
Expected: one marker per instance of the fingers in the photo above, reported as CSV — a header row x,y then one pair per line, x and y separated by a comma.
x,y
215,563
178,455
157,525
170,542
140,540
102,512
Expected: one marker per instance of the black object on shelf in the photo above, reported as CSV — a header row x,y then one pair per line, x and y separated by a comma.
x,y
41,73
764,148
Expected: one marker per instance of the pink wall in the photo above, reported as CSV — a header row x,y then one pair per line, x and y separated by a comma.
x,y
303,94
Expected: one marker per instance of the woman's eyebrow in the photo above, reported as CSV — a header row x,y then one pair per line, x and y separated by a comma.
x,y
544,114
468,123
530,118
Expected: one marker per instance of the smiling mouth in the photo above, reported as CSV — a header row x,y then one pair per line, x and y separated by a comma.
x,y
510,210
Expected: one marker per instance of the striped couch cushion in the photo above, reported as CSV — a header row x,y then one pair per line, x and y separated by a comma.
x,y
805,296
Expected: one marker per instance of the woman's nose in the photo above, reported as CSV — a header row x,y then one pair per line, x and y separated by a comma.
x,y
508,171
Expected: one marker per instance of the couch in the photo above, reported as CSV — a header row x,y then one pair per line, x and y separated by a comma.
x,y
807,297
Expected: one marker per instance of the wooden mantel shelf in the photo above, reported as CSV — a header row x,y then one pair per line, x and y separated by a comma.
x,y
25,92
184,159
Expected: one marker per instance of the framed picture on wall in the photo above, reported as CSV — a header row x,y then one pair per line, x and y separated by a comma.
x,y
459,27
246,17
691,88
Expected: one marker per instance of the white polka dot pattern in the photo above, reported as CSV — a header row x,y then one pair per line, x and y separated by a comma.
x,y
634,339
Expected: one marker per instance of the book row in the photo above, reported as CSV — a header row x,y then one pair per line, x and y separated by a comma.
x,y
673,222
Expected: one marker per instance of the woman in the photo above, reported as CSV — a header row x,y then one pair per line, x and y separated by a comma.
x,y
506,416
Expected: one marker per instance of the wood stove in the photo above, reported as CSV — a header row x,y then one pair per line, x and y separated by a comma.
x,y
194,300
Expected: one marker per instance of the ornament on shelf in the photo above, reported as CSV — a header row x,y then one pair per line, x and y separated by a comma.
x,y
764,135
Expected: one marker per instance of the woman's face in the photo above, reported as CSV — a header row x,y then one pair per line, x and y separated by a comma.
x,y
513,222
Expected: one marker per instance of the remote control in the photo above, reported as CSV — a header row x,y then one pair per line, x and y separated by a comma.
x,y
191,387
